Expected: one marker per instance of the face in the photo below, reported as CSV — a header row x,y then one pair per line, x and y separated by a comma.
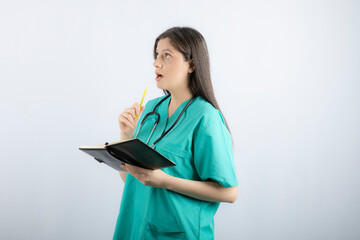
x,y
171,69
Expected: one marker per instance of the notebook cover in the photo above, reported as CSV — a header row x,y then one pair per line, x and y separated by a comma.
x,y
132,151
138,153
102,156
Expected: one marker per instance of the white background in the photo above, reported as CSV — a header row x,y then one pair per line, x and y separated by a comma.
x,y
285,73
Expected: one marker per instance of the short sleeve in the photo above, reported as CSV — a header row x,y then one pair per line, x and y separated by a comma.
x,y
213,152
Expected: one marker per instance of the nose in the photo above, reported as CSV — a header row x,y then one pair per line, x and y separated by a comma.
x,y
157,63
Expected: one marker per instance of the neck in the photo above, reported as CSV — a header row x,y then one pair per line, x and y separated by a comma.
x,y
179,96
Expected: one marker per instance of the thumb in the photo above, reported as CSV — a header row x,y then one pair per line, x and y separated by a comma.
x,y
142,109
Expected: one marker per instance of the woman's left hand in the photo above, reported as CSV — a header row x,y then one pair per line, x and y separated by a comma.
x,y
153,178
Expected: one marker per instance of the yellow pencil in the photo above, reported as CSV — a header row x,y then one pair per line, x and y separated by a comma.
x,y
136,116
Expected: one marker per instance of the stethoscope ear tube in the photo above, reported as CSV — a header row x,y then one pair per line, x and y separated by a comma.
x,y
153,112
157,119
156,122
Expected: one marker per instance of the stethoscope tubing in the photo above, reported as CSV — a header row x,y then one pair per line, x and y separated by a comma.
x,y
158,119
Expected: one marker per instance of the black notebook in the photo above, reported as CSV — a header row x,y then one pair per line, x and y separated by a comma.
x,y
132,151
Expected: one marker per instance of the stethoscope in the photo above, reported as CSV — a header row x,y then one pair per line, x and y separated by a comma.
x,y
158,119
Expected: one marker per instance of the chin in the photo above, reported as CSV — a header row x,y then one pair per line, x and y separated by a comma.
x,y
160,86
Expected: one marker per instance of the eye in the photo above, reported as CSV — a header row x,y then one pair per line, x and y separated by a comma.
x,y
156,55
167,55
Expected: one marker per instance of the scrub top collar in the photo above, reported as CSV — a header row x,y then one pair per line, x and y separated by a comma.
x,y
166,122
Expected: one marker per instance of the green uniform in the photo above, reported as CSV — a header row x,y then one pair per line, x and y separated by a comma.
x,y
200,145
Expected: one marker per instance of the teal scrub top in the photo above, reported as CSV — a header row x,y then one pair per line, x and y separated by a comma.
x,y
201,147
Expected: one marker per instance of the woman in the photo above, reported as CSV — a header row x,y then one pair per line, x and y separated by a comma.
x,y
178,202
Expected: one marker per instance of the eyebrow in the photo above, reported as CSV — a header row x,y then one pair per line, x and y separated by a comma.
x,y
166,50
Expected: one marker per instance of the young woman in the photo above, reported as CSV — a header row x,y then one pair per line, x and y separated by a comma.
x,y
178,202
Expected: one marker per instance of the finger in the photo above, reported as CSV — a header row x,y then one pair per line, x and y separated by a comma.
x,y
136,106
136,169
127,121
128,116
130,170
141,110
131,111
125,118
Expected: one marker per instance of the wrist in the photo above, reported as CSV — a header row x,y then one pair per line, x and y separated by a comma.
x,y
125,136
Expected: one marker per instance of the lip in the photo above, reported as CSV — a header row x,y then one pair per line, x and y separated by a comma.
x,y
158,78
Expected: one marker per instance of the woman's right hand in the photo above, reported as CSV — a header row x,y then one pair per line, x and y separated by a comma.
x,y
127,121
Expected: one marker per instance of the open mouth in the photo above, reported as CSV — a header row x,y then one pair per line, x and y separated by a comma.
x,y
159,76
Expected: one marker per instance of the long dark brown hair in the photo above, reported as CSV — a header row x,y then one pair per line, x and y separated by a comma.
x,y
193,47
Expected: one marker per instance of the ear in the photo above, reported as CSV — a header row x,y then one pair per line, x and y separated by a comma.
x,y
191,66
